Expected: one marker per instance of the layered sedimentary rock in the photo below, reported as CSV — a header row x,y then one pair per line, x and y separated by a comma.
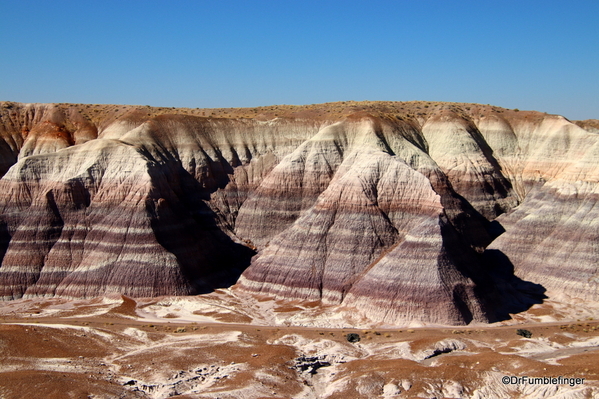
x,y
130,211
436,212
552,236
377,224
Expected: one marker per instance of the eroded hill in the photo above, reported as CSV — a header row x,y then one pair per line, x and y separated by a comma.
x,y
438,212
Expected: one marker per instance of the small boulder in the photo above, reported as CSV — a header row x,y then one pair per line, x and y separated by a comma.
x,y
352,337
524,333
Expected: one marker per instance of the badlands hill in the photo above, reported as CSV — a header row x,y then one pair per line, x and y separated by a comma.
x,y
439,212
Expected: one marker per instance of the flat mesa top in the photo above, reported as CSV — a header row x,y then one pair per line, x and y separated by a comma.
x,y
325,111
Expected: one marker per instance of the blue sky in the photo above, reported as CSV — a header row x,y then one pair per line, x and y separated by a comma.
x,y
541,55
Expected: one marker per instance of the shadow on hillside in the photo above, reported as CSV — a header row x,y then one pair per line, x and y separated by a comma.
x,y
500,291
503,291
514,295
186,226
4,239
495,229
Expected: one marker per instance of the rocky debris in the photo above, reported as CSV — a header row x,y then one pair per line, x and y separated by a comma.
x,y
441,347
391,389
370,385
524,333
311,364
352,337
184,381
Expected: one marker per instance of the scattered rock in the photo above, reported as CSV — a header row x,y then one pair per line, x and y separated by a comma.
x,y
391,389
352,337
310,364
524,333
441,347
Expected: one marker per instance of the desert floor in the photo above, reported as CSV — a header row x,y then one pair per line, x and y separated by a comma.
x,y
224,346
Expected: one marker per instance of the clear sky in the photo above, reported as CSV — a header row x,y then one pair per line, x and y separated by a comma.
x,y
541,55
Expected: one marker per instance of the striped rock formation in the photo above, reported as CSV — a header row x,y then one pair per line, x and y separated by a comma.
x,y
404,211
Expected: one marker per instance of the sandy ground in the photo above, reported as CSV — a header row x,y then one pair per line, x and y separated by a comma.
x,y
225,346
